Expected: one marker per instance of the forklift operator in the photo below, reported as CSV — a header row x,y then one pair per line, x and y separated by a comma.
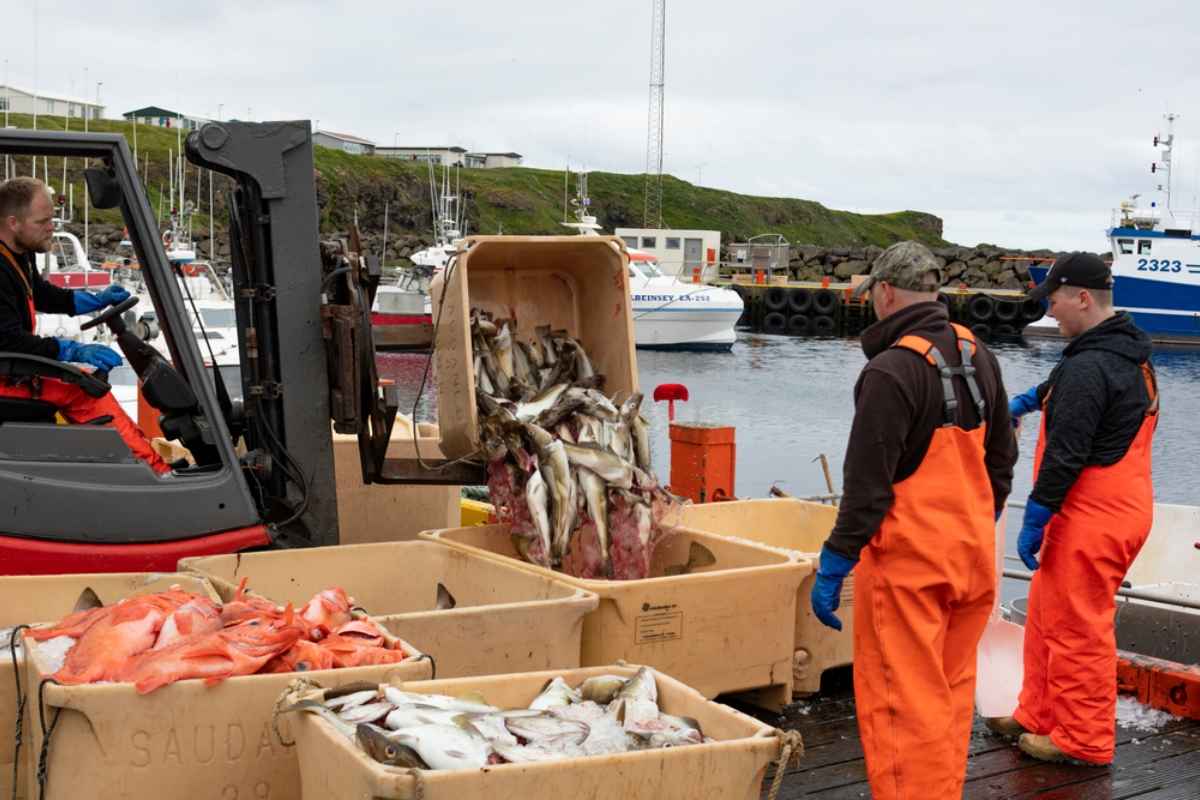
x,y
26,228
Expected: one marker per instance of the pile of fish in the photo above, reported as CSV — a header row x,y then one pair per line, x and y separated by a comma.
x,y
603,715
568,467
156,639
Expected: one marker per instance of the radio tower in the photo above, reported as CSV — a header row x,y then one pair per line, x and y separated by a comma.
x,y
654,128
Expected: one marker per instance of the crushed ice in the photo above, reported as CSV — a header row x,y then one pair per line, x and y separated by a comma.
x,y
1142,718
54,652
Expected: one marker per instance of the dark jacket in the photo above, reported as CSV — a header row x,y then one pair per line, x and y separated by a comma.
x,y
14,307
898,406
1097,401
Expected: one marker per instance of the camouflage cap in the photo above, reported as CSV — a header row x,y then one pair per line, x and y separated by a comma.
x,y
905,265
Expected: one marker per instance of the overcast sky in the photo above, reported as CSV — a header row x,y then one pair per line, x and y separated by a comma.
x,y
1019,123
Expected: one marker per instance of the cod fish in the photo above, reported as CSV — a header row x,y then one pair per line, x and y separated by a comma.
x,y
601,689
549,730
615,471
637,703
595,494
555,693
381,747
445,746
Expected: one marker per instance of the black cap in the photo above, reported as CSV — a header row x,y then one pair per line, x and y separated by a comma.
x,y
1085,270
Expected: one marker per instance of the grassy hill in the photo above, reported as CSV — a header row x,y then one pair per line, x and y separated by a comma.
x,y
516,200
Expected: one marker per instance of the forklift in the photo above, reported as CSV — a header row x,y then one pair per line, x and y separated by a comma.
x,y
74,499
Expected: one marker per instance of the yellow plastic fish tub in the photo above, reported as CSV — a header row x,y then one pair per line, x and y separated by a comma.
x,y
185,740
32,599
797,525
579,284
334,768
724,628
506,619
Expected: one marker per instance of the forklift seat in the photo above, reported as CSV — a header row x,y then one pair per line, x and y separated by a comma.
x,y
16,409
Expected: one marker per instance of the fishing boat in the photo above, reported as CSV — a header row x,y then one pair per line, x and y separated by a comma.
x,y
668,314
1155,259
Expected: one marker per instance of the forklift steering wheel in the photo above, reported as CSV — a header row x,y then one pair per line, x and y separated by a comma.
x,y
109,313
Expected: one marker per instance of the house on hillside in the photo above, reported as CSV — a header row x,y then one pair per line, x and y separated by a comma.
x,y
493,160
344,142
23,101
450,156
164,118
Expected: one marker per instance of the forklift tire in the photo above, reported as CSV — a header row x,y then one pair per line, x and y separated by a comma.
x,y
774,323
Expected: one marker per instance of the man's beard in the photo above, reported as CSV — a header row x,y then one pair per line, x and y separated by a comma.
x,y
30,245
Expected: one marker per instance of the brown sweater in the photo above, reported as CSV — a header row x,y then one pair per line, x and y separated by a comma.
x,y
898,406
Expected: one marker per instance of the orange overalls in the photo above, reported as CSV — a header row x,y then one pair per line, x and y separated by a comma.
x,y
1070,689
73,403
924,590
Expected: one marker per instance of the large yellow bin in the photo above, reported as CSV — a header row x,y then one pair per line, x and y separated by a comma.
x,y
505,620
31,599
579,284
724,628
731,768
797,525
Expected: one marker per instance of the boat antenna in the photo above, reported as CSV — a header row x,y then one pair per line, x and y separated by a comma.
x,y
1164,163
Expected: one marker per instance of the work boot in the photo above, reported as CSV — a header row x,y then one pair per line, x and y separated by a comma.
x,y
1004,726
1043,748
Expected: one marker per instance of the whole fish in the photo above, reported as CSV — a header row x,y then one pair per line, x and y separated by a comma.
x,y
384,749
595,494
368,712
318,708
542,402
601,689
636,703
414,716
621,441
466,704
583,366
196,617
502,346
555,693
641,442
522,369
484,325
629,409
549,357
537,496
445,746
612,469
560,413
351,699
533,355
549,730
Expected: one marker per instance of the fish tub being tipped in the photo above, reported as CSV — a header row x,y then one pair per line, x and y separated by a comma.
x,y
33,599
802,526
335,768
506,619
579,284
184,740
727,627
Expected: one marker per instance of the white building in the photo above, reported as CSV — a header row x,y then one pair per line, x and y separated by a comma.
x,y
24,101
449,156
493,160
344,142
678,251
165,118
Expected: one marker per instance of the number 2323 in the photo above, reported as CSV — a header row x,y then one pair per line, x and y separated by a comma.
x,y
1157,265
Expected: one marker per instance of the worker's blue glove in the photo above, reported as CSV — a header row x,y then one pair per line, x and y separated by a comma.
x,y
827,588
1022,404
1033,528
97,355
87,302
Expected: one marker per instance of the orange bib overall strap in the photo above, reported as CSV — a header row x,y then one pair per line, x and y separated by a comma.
x,y
1070,691
924,589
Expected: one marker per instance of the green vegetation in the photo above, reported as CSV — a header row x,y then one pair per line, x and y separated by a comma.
x,y
515,200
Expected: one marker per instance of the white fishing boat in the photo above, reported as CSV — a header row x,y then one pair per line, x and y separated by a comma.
x,y
668,314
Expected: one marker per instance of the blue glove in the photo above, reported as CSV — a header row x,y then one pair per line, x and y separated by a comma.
x,y
1033,528
97,355
827,589
87,302
1022,404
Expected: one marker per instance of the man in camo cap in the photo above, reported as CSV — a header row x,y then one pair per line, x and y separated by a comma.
x,y
927,470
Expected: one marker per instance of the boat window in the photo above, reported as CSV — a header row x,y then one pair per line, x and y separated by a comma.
x,y
630,241
672,243
1125,245
650,269
650,242
1143,246
632,274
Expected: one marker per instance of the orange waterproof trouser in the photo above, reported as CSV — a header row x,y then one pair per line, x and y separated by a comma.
x,y
923,594
1070,687
78,407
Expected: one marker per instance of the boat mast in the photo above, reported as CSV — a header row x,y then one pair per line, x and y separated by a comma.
x,y
1164,163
